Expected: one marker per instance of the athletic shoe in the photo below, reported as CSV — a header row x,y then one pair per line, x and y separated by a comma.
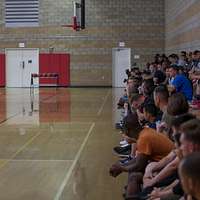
x,y
125,145
122,151
123,142
126,160
119,125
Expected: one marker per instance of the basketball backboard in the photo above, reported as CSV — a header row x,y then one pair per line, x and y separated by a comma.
x,y
78,16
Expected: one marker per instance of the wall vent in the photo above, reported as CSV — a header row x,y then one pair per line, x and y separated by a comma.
x,y
21,13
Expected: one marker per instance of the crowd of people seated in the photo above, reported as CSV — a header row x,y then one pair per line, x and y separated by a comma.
x,y
160,146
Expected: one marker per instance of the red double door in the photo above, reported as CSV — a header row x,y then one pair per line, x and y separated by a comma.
x,y
2,70
48,63
55,63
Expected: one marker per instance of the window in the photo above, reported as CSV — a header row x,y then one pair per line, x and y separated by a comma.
x,y
21,13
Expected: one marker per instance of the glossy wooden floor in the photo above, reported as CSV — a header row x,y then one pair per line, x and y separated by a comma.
x,y
57,144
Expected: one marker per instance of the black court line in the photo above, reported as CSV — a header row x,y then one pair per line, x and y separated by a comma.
x,y
6,119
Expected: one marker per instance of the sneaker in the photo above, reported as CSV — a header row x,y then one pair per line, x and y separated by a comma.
x,y
122,151
119,125
126,160
123,142
125,145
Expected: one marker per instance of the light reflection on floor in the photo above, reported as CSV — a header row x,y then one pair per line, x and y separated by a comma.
x,y
57,144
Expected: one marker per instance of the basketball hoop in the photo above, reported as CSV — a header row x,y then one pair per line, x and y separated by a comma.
x,y
75,25
79,16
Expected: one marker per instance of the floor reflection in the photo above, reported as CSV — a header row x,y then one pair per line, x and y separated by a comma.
x,y
54,105
80,186
41,136
44,105
116,113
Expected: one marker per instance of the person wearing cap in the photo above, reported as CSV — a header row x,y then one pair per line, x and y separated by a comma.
x,y
180,83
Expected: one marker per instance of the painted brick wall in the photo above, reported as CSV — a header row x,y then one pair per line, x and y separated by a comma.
x,y
140,23
182,25
1,13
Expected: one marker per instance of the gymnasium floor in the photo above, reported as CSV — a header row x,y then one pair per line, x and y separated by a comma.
x,y
57,144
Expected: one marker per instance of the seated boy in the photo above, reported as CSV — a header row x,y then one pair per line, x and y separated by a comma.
x,y
150,146
151,115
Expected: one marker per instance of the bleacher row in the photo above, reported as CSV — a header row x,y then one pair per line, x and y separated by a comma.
x,y
160,129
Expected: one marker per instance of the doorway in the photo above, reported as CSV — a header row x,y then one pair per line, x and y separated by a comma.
x,y
121,61
20,64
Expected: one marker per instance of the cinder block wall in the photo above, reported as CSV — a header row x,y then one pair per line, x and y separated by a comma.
x,y
182,25
139,23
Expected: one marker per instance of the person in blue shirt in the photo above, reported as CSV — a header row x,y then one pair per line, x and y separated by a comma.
x,y
180,83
